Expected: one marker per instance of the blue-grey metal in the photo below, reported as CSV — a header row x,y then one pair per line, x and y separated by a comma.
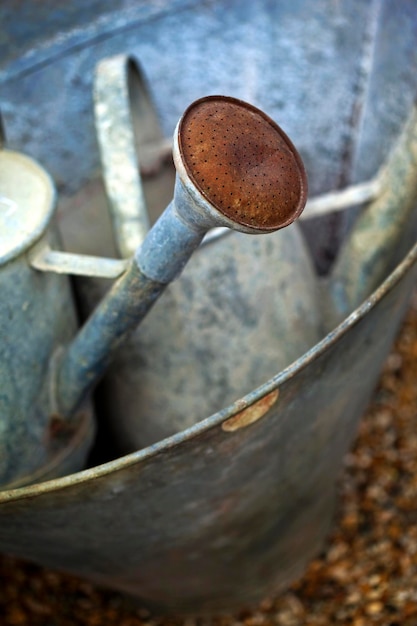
x,y
168,246
118,84
243,310
36,317
281,56
257,298
214,517
221,513
240,296
64,385
371,249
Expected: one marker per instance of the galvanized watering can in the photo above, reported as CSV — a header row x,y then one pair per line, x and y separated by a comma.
x,y
233,507
60,376
242,312
37,316
246,308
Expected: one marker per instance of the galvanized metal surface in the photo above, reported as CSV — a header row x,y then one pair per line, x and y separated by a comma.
x,y
36,316
342,199
217,516
120,99
211,519
132,144
27,202
159,259
260,299
45,259
245,308
265,53
384,228
240,297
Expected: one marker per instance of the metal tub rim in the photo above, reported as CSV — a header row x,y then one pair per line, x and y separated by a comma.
x,y
216,419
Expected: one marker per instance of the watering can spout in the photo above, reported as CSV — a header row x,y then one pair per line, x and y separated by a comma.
x,y
235,168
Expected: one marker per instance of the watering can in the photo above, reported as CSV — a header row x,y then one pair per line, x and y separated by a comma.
x,y
38,315
234,507
65,373
245,309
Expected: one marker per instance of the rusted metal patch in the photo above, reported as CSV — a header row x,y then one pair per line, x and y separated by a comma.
x,y
243,162
252,414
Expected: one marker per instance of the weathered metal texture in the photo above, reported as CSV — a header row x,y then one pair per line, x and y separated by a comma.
x,y
81,361
214,518
132,144
120,100
27,201
186,361
245,308
283,57
36,316
243,162
383,230
43,258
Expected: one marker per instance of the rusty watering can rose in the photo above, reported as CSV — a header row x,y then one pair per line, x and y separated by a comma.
x,y
243,162
47,372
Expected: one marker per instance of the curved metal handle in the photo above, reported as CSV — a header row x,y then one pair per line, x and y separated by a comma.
x,y
44,259
125,118
127,130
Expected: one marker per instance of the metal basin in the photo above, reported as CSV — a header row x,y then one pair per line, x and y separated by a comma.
x,y
233,507
221,514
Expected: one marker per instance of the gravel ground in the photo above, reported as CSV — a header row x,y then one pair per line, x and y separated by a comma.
x,y
367,574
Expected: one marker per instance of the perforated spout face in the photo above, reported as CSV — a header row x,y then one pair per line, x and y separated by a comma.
x,y
242,163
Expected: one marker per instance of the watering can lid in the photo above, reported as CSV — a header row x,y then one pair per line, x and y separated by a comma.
x,y
27,201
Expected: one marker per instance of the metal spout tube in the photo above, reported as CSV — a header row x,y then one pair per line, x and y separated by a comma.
x,y
125,305
235,168
160,257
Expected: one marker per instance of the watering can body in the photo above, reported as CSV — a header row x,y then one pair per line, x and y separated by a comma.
x,y
226,511
37,318
242,311
245,309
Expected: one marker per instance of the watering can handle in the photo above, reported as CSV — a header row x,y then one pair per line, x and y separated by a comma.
x,y
125,120
130,139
